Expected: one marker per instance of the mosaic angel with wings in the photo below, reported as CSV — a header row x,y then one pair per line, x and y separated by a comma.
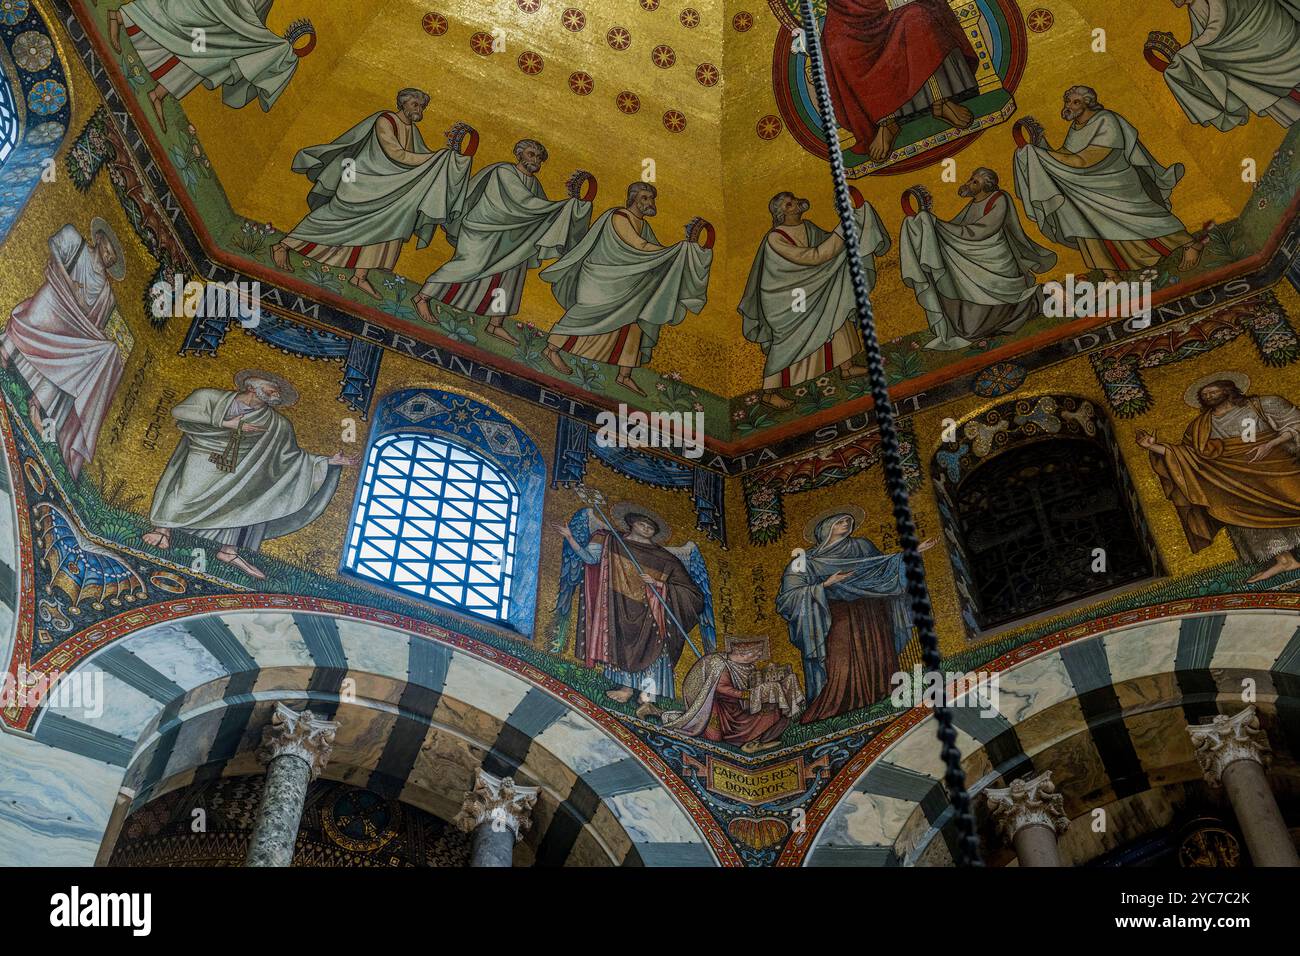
x,y
638,601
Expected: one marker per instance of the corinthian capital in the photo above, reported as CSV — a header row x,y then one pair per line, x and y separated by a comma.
x,y
298,734
1225,739
1029,801
498,801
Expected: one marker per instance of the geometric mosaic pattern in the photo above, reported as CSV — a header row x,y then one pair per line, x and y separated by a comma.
x,y
436,520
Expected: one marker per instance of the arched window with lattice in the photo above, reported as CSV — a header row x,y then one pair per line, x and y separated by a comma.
x,y
1038,510
448,507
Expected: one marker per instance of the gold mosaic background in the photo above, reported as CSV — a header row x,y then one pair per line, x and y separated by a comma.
x,y
744,578
717,167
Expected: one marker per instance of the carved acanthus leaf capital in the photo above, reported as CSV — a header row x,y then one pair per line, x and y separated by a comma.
x,y
500,802
1028,801
1225,739
298,734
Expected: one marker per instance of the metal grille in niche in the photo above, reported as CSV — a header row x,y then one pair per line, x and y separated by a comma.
x,y
8,118
1032,520
436,520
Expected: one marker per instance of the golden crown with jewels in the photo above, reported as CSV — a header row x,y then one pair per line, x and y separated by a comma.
x,y
1162,44
302,27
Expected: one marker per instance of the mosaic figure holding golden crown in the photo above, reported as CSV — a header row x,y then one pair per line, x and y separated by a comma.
x,y
798,303
974,275
373,188
509,226
1243,57
216,43
1102,192
620,286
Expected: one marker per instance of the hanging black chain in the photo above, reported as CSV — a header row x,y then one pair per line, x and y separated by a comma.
x,y
968,847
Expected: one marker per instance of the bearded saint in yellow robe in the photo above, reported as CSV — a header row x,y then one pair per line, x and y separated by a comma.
x,y
1237,467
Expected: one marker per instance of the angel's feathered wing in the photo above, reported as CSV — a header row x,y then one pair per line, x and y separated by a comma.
x,y
689,555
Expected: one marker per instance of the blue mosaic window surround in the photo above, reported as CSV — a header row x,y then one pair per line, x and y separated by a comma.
x,y
448,508
35,105
8,119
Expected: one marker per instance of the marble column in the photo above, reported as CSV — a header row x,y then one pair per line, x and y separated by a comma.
x,y
1232,751
295,749
497,812
1029,814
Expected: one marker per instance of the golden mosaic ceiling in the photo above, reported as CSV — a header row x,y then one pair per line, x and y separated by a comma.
x,y
703,92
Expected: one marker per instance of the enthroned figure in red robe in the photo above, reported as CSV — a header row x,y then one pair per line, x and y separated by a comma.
x,y
888,61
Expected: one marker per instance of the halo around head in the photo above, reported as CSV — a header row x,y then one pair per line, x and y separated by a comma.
x,y
663,530
99,227
288,394
1193,393
853,511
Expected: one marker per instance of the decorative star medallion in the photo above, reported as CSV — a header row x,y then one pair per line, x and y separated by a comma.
x,y
435,24
618,38
530,63
769,127
481,43
674,121
689,18
706,74
573,19
742,21
1039,20
627,102
663,56
581,83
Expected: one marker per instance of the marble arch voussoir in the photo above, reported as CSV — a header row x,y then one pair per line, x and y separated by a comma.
x,y
188,698
1107,710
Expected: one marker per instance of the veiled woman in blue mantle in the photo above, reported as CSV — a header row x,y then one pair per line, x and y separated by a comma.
x,y
847,608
